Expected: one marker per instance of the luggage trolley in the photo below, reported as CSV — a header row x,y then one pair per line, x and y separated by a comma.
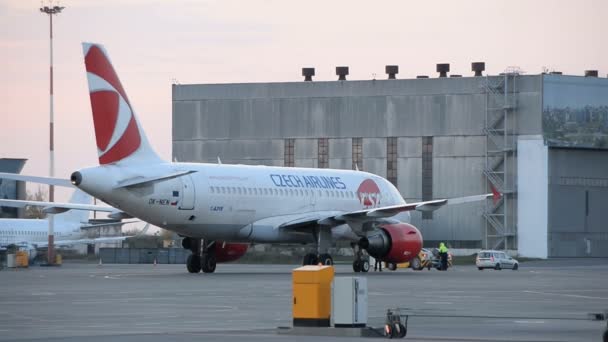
x,y
394,327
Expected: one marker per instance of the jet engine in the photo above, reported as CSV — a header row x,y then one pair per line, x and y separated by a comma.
x,y
395,242
225,252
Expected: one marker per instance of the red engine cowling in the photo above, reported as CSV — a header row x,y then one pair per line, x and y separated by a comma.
x,y
396,243
225,252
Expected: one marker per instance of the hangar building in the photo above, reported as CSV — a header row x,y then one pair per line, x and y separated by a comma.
x,y
10,189
542,140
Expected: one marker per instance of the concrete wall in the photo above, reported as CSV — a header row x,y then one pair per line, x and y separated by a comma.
x,y
532,190
247,123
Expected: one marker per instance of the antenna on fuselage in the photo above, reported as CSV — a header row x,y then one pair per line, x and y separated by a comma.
x,y
356,167
219,161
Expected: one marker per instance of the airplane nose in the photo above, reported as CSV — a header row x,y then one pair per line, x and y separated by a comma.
x,y
76,178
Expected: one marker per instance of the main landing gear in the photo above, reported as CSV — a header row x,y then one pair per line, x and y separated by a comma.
x,y
202,257
323,238
360,264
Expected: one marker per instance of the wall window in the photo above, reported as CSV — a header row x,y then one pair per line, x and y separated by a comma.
x,y
427,174
323,153
358,153
391,160
289,152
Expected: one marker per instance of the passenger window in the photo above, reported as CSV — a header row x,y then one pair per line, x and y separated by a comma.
x,y
281,192
211,189
276,193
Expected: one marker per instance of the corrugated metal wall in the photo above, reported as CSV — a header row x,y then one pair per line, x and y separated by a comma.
x,y
578,203
247,123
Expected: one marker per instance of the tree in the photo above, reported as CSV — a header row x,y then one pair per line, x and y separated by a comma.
x,y
33,212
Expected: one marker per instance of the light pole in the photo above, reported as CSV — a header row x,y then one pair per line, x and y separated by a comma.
x,y
51,10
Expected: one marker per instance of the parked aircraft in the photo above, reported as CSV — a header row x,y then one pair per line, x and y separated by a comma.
x,y
31,234
219,208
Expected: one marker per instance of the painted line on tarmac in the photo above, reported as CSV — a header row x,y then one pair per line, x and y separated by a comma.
x,y
438,303
529,322
565,295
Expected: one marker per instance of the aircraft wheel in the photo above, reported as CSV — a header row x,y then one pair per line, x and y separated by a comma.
x,y
391,266
193,264
364,266
401,330
388,331
326,259
209,263
310,259
416,264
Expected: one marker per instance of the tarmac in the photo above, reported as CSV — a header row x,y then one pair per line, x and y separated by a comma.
x,y
542,301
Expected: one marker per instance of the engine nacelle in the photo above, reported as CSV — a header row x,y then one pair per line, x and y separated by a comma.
x,y
225,252
396,242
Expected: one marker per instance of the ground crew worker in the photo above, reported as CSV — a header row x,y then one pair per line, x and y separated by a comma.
x,y
378,265
443,254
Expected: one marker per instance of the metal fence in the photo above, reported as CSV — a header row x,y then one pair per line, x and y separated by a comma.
x,y
143,255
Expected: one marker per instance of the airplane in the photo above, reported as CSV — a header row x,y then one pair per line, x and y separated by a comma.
x,y
31,234
220,209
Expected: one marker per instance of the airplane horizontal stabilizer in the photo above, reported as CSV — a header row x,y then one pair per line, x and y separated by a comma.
x,y
36,179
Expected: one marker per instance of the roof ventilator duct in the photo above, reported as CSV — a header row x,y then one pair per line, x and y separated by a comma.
x,y
392,71
308,73
443,69
478,68
342,71
591,73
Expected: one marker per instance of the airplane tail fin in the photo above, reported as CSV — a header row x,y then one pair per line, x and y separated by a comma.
x,y
76,216
119,135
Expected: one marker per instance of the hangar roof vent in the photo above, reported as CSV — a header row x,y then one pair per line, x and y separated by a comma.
x,y
590,73
308,73
555,72
342,71
454,75
392,70
443,69
478,68
422,76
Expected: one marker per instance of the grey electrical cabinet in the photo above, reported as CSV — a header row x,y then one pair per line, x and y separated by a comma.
x,y
349,302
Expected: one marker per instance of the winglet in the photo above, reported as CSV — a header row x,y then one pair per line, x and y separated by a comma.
x,y
496,195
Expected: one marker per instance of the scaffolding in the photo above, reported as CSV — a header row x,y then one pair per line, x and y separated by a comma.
x,y
501,102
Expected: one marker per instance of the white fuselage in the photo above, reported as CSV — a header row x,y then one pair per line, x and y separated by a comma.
x,y
238,202
34,231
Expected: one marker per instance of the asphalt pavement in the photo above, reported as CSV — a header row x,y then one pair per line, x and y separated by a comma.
x,y
542,301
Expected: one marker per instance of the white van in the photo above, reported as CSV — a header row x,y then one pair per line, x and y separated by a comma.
x,y
496,260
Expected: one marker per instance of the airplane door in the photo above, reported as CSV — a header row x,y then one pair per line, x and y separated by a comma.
x,y
188,193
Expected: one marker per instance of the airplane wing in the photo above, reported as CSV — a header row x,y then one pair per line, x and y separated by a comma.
x,y
56,207
35,179
93,240
308,222
83,241
419,206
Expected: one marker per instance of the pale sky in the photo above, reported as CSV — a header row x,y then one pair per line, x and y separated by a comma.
x,y
152,42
